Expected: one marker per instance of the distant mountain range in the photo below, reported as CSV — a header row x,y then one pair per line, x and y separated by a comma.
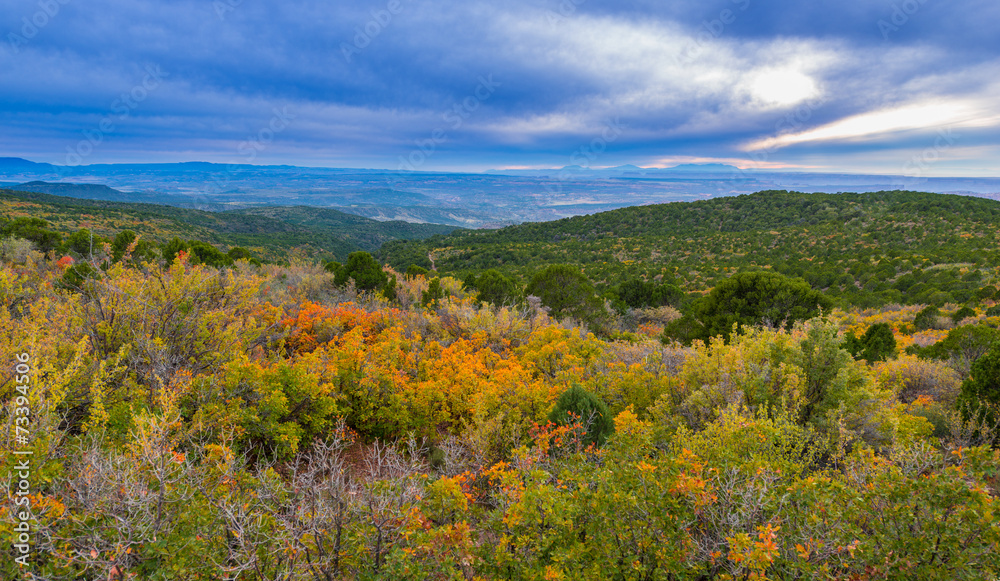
x,y
471,200
626,170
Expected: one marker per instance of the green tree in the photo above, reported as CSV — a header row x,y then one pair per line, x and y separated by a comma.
x,y
33,229
963,345
334,268
495,288
239,253
171,249
576,404
758,298
142,249
638,293
987,292
83,242
877,344
979,398
927,318
685,329
205,253
568,292
822,357
433,294
76,277
366,272
962,313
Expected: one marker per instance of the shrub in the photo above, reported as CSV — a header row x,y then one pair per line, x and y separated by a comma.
x,y
980,394
33,229
927,318
579,405
496,288
877,344
568,292
17,250
758,298
911,378
962,313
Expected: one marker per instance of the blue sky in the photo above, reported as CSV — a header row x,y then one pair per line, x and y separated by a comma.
x,y
874,86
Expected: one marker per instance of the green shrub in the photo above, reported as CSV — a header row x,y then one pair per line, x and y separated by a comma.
x,y
568,292
980,395
927,318
962,313
576,404
750,299
877,344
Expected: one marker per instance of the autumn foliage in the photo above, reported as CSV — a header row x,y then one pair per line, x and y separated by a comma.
x,y
260,422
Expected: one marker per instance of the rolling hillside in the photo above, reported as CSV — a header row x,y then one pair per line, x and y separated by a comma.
x,y
271,233
871,248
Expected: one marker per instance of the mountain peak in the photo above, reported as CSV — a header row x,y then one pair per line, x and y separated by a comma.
x,y
704,167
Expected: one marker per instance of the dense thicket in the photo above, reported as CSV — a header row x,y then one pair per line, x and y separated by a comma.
x,y
194,414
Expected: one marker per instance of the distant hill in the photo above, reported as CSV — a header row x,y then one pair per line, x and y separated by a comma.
x,y
366,233
19,163
273,233
873,248
703,168
86,191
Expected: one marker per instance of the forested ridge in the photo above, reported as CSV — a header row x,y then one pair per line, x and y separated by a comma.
x,y
272,233
176,407
869,249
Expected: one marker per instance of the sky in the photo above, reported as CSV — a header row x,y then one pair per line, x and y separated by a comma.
x,y
901,87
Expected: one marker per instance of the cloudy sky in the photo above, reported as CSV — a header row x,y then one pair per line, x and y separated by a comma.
x,y
875,86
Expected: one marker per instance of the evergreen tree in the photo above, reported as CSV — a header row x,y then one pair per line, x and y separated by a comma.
x,y
758,298
568,292
576,404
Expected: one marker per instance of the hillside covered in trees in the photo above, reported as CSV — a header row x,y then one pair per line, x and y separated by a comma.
x,y
860,249
175,409
271,233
